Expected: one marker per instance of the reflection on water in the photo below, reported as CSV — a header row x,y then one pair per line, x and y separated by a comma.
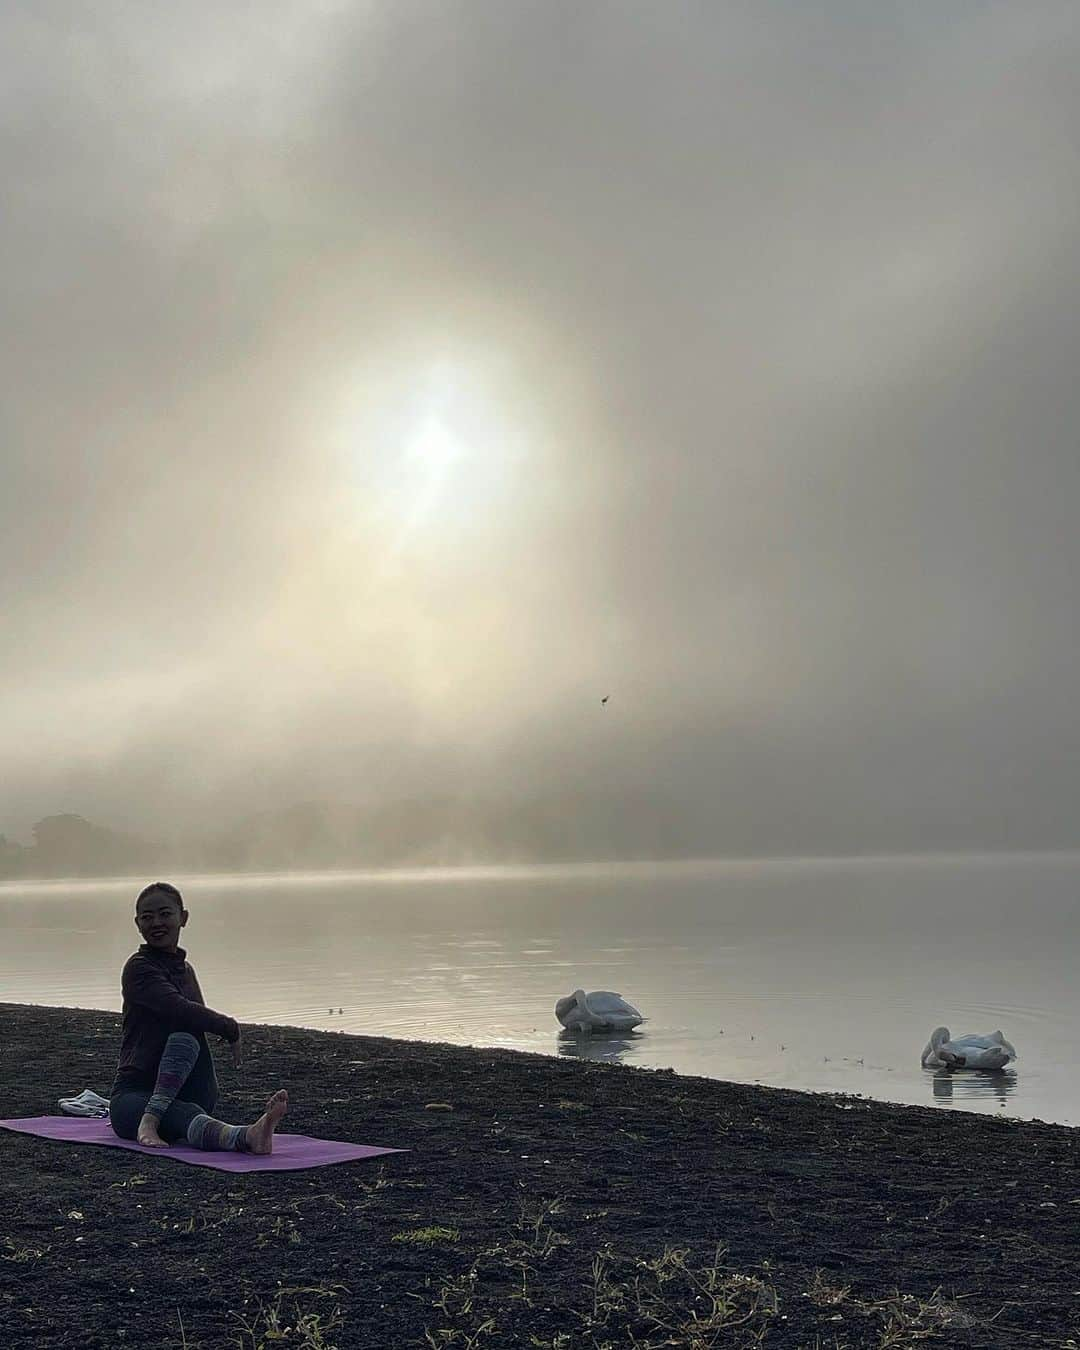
x,y
613,1049
966,1087
823,975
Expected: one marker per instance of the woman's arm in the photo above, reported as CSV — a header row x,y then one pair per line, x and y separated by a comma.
x,y
234,1045
150,988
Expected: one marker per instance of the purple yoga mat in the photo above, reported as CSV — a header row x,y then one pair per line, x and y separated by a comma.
x,y
291,1151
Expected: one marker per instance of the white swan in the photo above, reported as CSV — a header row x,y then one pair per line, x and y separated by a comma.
x,y
599,1011
966,1052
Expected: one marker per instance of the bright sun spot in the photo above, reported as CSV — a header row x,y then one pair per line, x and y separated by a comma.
x,y
434,450
435,445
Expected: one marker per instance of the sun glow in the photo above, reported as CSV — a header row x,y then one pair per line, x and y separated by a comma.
x,y
435,446
435,452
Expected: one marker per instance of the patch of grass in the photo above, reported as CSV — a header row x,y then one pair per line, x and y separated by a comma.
x,y
205,1219
370,1192
677,1298
283,1229
426,1237
672,1300
294,1318
904,1319
446,1337
629,1304
898,1322
824,1294
10,1250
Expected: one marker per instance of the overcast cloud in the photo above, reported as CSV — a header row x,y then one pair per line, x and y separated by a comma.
x,y
384,383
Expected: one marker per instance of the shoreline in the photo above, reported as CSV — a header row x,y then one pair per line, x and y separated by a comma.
x,y
866,1092
838,1218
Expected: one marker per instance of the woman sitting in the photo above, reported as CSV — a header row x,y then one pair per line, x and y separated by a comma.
x,y
165,1087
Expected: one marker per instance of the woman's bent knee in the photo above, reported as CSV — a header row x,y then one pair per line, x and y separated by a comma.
x,y
182,1040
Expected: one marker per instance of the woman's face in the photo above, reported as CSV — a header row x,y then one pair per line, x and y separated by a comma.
x,y
159,919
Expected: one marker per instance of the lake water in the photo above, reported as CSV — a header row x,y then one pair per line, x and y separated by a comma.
x,y
826,975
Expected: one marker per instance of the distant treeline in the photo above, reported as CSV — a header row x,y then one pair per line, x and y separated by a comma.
x,y
396,834
572,826
68,845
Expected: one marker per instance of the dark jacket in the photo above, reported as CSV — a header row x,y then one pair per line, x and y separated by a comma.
x,y
161,995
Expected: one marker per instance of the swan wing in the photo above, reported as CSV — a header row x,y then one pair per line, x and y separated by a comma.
x,y
608,1009
998,1038
996,1058
992,1042
988,1057
978,1051
603,1002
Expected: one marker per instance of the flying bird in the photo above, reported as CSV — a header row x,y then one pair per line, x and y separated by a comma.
x,y
605,698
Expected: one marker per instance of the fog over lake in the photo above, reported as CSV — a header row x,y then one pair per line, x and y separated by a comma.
x,y
823,975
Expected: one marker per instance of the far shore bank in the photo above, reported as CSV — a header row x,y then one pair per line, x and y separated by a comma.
x,y
526,867
547,1202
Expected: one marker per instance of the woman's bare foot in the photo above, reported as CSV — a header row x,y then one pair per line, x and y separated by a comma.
x,y
147,1133
260,1136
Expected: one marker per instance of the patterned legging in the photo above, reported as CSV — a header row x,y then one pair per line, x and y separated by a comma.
x,y
183,1097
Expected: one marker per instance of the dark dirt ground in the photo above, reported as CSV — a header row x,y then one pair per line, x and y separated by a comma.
x,y
549,1192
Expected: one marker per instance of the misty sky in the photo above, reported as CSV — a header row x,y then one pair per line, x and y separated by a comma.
x,y
384,383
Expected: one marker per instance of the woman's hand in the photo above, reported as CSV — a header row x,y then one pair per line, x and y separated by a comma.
x,y
234,1050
